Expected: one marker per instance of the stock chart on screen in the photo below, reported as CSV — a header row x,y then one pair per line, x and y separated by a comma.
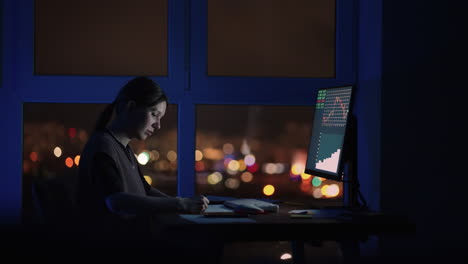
x,y
329,128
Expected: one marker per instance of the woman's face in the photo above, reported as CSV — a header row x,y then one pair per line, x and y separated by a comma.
x,y
147,120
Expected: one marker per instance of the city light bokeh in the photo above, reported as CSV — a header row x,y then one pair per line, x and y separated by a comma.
x,y
245,155
243,152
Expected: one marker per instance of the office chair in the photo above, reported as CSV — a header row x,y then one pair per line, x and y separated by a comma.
x,y
52,201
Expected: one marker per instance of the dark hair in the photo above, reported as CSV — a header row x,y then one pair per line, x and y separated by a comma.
x,y
144,91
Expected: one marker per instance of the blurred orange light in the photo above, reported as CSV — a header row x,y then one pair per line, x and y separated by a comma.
x,y
171,155
324,190
69,162
26,166
306,187
214,178
246,176
297,168
148,179
33,156
77,160
306,176
242,165
228,148
269,168
199,166
198,155
233,165
154,155
213,154
268,189
83,135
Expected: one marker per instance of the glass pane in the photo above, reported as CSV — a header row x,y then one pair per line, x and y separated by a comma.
x,y
54,135
258,151
262,38
105,37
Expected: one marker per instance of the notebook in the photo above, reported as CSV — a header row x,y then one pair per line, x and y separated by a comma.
x,y
240,207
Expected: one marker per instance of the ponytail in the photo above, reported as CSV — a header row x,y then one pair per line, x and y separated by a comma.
x,y
105,117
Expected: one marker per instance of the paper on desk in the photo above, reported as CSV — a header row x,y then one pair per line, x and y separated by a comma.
x,y
200,219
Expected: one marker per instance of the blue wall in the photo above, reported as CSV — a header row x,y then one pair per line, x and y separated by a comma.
x,y
368,98
424,127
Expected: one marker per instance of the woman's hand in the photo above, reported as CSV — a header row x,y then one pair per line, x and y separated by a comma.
x,y
195,204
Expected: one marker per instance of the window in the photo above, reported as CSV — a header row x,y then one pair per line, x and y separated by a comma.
x,y
105,37
257,151
274,38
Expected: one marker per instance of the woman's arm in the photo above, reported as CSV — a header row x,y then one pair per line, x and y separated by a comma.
x,y
123,203
151,191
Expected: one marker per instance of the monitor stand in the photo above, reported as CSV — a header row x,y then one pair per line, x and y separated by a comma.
x,y
350,177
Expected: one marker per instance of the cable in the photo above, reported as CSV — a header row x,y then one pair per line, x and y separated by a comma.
x,y
361,201
361,196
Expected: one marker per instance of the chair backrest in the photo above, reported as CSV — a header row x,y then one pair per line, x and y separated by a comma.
x,y
37,205
53,201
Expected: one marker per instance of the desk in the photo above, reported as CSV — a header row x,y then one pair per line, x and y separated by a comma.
x,y
329,225
270,227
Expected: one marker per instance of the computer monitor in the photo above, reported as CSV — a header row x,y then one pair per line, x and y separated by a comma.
x,y
325,157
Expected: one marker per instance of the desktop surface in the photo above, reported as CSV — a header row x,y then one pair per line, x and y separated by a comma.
x,y
328,223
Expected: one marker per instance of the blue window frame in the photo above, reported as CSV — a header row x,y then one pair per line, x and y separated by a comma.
x,y
186,84
267,90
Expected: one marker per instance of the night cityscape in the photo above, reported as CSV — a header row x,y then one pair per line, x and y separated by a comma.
x,y
240,151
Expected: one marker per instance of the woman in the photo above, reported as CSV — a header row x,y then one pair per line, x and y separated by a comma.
x,y
113,196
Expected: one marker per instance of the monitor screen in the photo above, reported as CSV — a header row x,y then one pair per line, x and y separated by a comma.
x,y
325,153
